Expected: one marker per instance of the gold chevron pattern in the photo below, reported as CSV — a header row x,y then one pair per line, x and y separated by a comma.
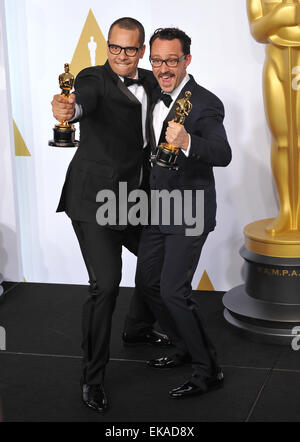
x,y
205,284
21,150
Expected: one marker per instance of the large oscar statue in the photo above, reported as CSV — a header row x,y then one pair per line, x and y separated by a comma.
x,y
267,306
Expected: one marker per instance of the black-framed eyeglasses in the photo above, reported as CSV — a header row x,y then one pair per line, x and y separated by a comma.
x,y
130,51
170,62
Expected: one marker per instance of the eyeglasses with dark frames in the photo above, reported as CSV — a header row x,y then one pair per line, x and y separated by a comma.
x,y
130,51
170,62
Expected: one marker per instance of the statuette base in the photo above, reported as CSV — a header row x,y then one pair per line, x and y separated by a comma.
x,y
64,136
283,245
166,156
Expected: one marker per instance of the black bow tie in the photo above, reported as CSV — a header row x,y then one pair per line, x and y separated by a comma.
x,y
166,98
130,81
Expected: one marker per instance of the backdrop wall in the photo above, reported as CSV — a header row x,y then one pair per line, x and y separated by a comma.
x,y
10,260
43,35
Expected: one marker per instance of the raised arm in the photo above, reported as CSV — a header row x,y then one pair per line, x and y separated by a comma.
x,y
264,26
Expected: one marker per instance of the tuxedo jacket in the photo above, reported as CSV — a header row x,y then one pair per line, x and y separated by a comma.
x,y
111,141
209,148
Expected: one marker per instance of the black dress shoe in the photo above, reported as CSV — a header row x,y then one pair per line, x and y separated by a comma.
x,y
151,338
203,385
166,362
94,397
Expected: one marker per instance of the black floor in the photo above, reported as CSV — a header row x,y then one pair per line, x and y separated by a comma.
x,y
40,369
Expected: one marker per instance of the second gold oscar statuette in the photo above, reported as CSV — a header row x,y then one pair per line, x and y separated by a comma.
x,y
167,154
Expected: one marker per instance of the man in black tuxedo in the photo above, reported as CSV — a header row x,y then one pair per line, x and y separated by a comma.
x,y
112,104
168,257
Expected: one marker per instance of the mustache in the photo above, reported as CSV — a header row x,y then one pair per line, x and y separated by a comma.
x,y
166,73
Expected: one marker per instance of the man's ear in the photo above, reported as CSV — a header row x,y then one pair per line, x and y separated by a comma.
x,y
188,59
142,51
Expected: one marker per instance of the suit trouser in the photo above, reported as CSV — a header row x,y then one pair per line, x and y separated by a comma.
x,y
165,269
102,252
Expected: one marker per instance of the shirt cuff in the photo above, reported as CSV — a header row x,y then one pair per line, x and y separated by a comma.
x,y
78,113
187,152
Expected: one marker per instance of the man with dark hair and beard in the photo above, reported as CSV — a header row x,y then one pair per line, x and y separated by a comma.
x,y
168,257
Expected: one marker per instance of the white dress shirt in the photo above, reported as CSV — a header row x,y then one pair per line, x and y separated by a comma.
x,y
161,112
139,92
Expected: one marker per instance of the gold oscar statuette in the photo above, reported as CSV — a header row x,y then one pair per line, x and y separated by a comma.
x,y
166,155
268,304
64,133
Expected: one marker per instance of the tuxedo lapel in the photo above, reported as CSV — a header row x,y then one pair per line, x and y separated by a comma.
x,y
149,90
151,129
127,92
120,84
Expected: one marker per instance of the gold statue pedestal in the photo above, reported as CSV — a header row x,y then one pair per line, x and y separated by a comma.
x,y
166,156
267,306
64,136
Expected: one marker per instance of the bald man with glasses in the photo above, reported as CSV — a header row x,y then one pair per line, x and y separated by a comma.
x,y
112,103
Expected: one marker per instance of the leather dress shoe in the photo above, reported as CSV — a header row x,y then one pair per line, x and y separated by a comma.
x,y
94,397
201,386
151,338
166,362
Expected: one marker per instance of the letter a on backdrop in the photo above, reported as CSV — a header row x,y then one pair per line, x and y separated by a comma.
x,y
91,48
